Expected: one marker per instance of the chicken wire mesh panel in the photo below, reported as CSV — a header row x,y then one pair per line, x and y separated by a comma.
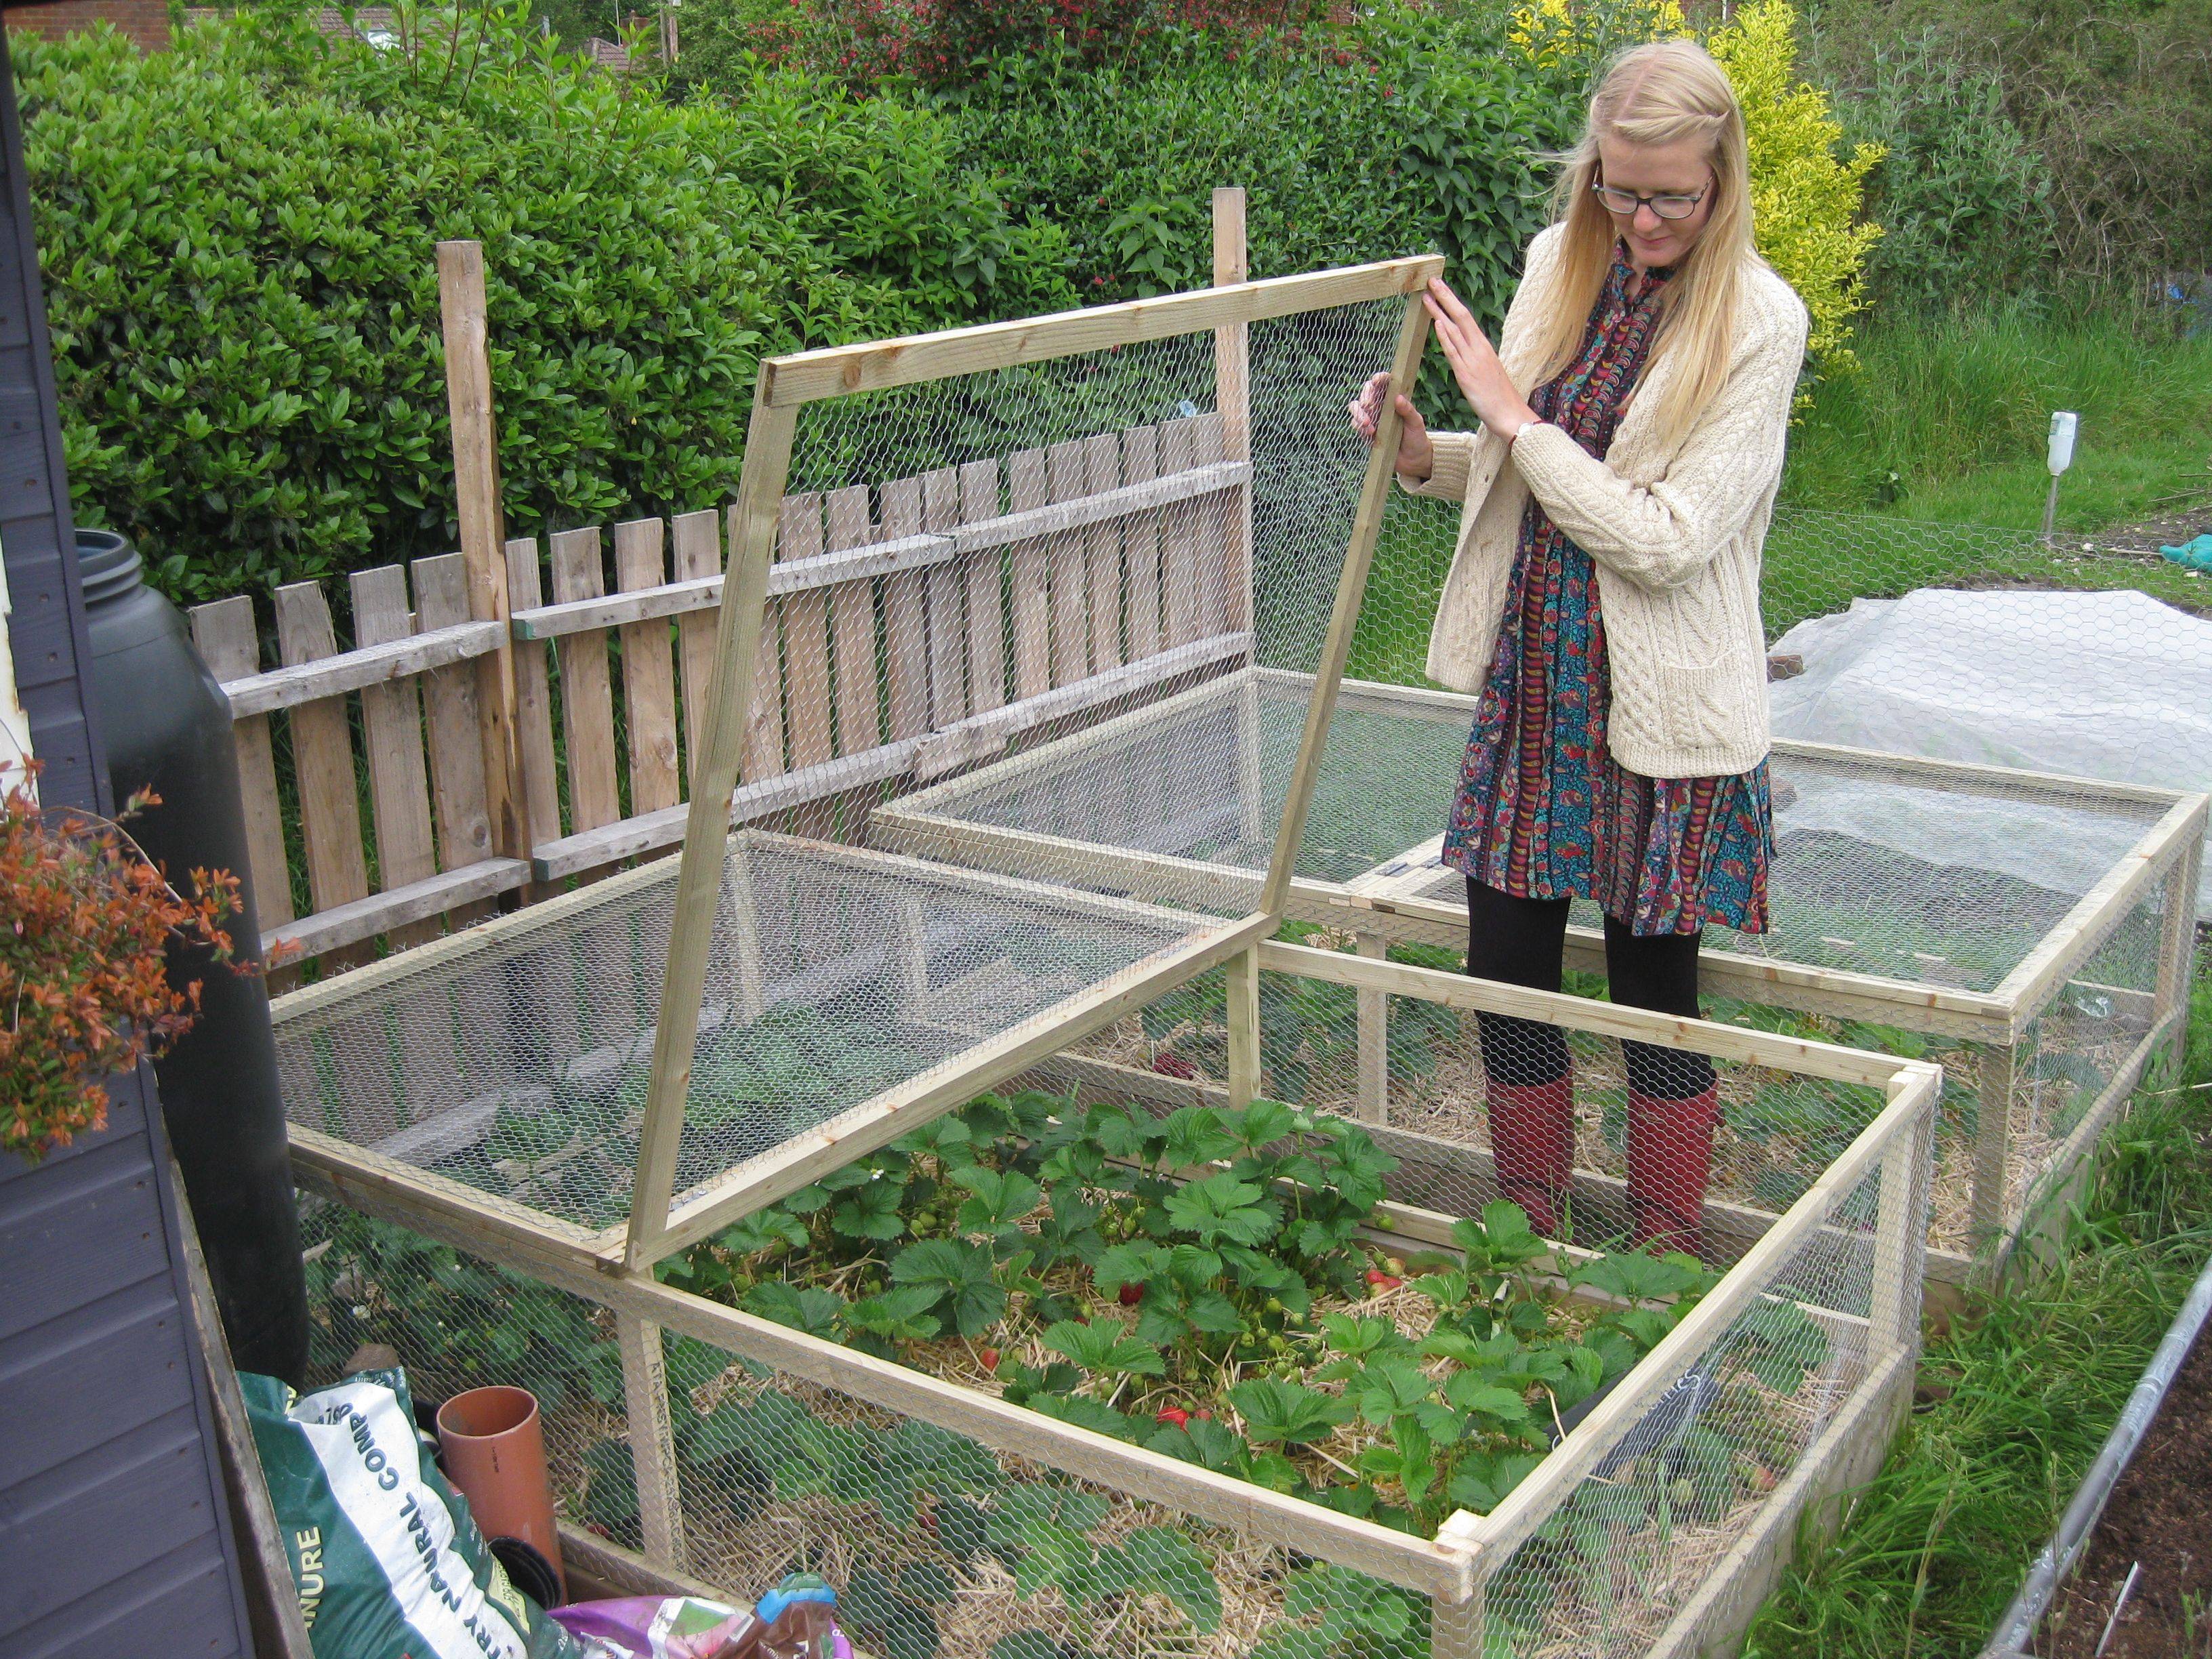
x,y
1607,1144
1068,1254
871,970
1973,643
458,1321
940,1548
1875,870
519,1063
2082,1043
1064,538
1629,1546
1106,788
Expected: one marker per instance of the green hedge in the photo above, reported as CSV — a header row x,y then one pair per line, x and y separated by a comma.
x,y
239,242
1416,137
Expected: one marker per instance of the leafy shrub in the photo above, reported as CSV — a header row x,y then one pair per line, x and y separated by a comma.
x,y
1962,197
2114,102
1805,198
1412,135
239,240
83,965
938,42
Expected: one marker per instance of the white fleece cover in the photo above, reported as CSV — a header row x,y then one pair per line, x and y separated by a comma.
x,y
2112,685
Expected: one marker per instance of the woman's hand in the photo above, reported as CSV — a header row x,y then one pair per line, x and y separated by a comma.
x,y
1482,378
1417,456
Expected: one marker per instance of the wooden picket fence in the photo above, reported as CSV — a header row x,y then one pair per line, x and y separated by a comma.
x,y
918,625
508,718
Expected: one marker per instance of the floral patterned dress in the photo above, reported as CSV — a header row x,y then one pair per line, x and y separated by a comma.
x,y
1544,811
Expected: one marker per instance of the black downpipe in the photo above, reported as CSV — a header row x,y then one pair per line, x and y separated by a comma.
x,y
166,726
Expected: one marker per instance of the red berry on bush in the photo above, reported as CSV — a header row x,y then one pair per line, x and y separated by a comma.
x,y
1204,1414
1382,1281
989,1356
1131,1295
1167,1065
1175,1416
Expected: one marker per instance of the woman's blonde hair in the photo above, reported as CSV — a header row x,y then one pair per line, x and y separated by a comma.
x,y
1660,92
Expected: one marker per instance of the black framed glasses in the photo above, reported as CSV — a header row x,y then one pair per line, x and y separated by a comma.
x,y
1669,206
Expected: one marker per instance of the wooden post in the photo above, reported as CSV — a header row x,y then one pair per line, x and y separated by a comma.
x,y
1350,589
1894,1314
224,634
652,1442
1232,397
1374,1101
1244,971
707,827
1251,763
1456,1627
1999,1071
483,536
2176,955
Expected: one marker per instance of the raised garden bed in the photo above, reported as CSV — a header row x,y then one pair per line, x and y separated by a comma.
x,y
1385,1380
2045,1001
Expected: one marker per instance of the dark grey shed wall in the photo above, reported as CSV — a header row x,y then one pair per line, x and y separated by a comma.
x,y
114,1537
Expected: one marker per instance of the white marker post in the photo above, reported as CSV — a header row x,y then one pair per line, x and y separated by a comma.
x,y
2064,424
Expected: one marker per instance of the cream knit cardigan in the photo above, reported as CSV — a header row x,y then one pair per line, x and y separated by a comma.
x,y
1675,532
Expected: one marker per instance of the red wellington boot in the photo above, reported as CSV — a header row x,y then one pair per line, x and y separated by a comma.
x,y
1670,1157
1532,1136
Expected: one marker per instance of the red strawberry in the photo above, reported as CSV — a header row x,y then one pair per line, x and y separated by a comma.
x,y
1203,1414
1382,1281
1131,1295
928,1520
1169,1065
1173,1415
989,1356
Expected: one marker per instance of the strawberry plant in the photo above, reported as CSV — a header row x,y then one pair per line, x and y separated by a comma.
x,y
1198,1282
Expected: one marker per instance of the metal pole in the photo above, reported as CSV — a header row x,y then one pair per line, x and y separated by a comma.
x,y
2018,1626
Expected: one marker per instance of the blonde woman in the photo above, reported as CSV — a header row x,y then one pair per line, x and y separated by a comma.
x,y
1603,603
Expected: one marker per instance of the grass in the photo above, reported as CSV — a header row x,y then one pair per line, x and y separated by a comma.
x,y
2014,1404
1945,418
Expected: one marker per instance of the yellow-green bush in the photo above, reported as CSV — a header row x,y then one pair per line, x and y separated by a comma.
x,y
1806,193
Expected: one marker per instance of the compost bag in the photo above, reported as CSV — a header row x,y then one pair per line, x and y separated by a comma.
x,y
386,1560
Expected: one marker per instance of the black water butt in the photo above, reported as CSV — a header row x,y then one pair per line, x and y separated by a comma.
x,y
167,726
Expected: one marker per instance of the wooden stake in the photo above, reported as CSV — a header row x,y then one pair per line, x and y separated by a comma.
x,y
1232,397
652,1442
1350,589
2177,952
1244,1028
1999,1071
707,827
1374,1017
483,536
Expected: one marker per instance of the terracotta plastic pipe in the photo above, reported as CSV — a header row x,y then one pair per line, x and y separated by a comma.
x,y
494,1453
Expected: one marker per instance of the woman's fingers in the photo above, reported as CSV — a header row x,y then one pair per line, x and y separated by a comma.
x,y
1451,302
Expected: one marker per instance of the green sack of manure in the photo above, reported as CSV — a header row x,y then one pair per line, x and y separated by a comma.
x,y
386,1560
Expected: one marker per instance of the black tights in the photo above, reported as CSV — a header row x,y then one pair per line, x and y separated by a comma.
x,y
1523,941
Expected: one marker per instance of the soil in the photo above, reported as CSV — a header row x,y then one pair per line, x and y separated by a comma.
x,y
2160,1515
2161,529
